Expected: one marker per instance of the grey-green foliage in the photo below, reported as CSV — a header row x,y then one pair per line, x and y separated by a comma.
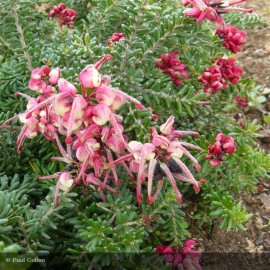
x,y
26,220
222,205
80,226
118,232
25,29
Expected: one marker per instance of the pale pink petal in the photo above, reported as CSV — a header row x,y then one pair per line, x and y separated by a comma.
x,y
90,77
67,87
54,76
101,114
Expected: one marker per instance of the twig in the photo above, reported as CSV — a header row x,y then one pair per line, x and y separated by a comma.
x,y
22,40
103,16
130,41
5,43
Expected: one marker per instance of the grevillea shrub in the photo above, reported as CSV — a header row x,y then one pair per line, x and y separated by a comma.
x,y
126,114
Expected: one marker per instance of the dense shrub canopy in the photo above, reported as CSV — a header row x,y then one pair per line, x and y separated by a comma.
x,y
123,104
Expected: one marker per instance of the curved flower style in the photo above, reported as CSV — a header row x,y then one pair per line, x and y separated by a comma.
x,y
161,158
211,9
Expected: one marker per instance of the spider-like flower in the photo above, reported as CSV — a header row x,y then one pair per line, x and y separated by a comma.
x,y
93,131
212,9
161,158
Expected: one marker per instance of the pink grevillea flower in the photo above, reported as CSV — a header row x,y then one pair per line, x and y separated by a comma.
x,y
54,76
105,95
211,9
233,38
37,85
241,102
41,78
212,79
223,145
186,2
40,73
66,110
35,121
64,16
116,37
170,64
101,114
161,158
89,76
203,10
89,159
186,258
66,87
229,70
65,182
87,120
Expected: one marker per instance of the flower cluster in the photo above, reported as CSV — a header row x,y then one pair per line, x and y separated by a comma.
x,y
232,37
217,76
43,80
212,80
88,121
94,139
64,16
116,37
170,64
241,102
229,70
223,145
161,158
211,9
187,258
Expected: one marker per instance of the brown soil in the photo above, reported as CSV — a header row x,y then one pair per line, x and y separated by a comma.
x,y
255,57
255,61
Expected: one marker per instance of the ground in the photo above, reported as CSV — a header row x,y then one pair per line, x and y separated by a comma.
x,y
255,61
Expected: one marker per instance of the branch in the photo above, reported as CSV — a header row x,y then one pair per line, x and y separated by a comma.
x,y
5,43
22,40
130,41
103,16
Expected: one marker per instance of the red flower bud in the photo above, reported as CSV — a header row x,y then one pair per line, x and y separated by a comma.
x,y
173,66
233,38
